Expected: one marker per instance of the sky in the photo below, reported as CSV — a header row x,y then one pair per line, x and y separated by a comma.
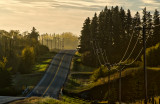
x,y
58,16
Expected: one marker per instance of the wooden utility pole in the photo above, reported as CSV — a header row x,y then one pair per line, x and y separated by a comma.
x,y
120,88
55,40
144,60
63,44
47,41
51,44
109,68
58,41
42,39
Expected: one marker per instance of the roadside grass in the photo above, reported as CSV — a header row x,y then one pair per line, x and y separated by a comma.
x,y
22,81
72,100
78,82
156,101
49,100
79,75
38,100
79,79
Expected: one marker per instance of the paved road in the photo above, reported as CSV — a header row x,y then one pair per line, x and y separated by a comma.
x,y
7,99
55,76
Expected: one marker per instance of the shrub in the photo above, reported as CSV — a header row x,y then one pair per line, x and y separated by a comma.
x,y
153,55
88,59
43,49
99,73
5,75
28,59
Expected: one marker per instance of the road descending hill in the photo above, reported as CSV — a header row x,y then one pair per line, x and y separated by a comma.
x,y
55,76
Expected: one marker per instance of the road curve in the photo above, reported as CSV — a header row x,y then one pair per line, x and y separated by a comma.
x,y
55,76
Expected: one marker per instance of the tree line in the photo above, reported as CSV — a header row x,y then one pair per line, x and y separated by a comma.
x,y
18,53
66,40
113,30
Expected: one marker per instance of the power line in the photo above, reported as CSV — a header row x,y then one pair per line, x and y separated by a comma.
x,y
139,53
96,51
106,56
102,53
127,48
132,49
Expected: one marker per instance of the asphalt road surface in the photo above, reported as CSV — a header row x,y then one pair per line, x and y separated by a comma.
x,y
55,76
7,99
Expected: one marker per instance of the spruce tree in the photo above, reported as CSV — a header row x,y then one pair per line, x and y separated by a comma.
x,y
94,28
156,32
85,36
34,34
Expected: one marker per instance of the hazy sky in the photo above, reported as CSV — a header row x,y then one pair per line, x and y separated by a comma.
x,y
58,16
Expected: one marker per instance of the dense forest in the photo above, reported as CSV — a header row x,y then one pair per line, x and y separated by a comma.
x,y
114,31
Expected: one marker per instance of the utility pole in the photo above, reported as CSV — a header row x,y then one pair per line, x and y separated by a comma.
x,y
109,68
42,39
63,44
10,47
55,40
120,76
51,44
5,45
144,60
58,41
47,42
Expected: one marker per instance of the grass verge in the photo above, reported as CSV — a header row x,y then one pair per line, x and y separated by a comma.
x,y
48,100
22,81
79,75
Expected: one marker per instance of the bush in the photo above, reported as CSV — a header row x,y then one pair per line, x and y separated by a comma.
x,y
43,49
28,60
153,55
99,73
5,75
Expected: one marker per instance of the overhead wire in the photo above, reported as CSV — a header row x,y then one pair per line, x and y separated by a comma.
x,y
97,52
132,49
139,53
102,53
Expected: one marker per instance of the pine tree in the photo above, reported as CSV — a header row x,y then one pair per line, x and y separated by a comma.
x,y
94,28
85,36
147,21
136,34
129,22
34,34
102,28
156,32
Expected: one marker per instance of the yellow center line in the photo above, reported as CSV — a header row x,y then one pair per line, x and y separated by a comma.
x,y
54,76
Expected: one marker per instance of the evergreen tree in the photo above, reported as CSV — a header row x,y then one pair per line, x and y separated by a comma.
x,y
129,22
156,31
147,19
102,28
34,34
113,28
85,37
94,28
